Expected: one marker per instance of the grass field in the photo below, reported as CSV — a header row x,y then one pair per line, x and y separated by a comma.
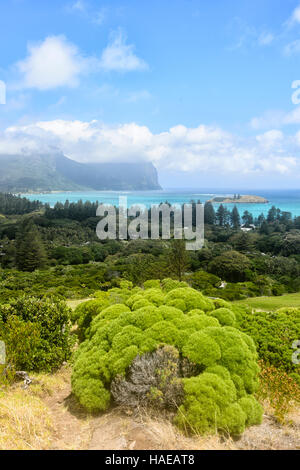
x,y
74,303
272,303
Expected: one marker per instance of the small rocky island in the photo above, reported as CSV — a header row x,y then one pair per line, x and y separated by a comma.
x,y
238,199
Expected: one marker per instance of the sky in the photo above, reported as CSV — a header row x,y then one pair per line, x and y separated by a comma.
x,y
207,91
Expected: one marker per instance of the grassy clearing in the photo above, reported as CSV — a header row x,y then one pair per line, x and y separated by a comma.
x,y
272,303
25,420
74,303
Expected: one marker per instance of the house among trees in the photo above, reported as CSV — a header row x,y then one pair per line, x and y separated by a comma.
x,y
247,227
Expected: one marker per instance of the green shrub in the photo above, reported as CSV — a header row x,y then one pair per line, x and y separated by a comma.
x,y
211,405
220,303
22,342
225,316
171,284
87,311
273,334
192,298
84,314
202,349
231,266
217,364
42,326
152,284
202,280
279,389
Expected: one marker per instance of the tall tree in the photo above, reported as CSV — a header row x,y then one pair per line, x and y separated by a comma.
x,y
260,220
178,258
243,242
272,214
235,218
30,251
221,215
264,228
209,213
247,218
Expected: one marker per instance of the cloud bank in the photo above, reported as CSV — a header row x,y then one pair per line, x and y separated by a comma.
x,y
190,150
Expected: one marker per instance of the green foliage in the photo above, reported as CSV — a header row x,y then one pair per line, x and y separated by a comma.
x,y
280,389
30,253
66,282
152,284
36,333
273,334
170,284
202,349
22,341
85,312
225,316
192,298
217,364
211,405
10,204
202,280
178,258
230,266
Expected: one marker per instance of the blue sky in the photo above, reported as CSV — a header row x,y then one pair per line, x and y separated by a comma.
x,y
202,89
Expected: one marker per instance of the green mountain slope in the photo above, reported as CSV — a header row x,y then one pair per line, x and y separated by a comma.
x,y
55,172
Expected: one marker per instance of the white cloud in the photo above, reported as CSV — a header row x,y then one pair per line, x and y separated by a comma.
x,y
56,62
276,118
52,63
292,48
98,17
136,96
119,56
245,35
88,12
270,139
265,39
295,17
79,5
201,149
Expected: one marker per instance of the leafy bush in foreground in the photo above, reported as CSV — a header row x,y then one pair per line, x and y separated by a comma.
x,y
273,334
280,389
36,333
221,360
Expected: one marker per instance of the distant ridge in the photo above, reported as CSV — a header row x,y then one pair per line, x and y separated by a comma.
x,y
55,172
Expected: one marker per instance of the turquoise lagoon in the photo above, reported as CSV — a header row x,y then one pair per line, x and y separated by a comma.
x,y
286,200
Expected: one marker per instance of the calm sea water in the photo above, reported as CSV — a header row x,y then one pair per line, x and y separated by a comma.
x,y
286,200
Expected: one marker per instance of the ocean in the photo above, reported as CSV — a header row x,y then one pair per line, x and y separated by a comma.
x,y
286,200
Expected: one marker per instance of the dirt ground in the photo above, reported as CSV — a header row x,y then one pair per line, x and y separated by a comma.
x,y
118,430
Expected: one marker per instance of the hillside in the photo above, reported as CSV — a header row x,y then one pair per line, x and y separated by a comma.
x,y
55,172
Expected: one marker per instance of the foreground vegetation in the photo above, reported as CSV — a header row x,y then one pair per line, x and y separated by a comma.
x,y
213,363
195,360
164,346
44,416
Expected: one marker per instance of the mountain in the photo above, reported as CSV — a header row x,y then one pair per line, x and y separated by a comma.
x,y
109,176
55,172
